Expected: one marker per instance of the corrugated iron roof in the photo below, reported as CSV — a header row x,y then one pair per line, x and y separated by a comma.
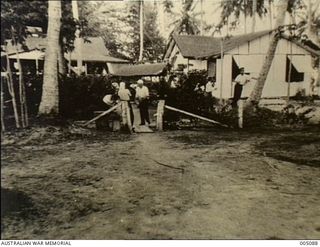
x,y
195,46
29,55
139,69
93,50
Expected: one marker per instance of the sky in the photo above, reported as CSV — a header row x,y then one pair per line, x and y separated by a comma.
x,y
211,15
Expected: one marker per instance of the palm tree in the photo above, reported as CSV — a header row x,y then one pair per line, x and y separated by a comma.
x,y
257,91
187,22
236,8
309,21
50,90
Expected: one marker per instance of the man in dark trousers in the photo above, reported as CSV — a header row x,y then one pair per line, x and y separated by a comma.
x,y
142,96
241,80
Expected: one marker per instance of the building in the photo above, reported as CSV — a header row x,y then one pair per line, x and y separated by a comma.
x,y
95,56
222,58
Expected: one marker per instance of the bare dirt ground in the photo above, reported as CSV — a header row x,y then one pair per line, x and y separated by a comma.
x,y
58,184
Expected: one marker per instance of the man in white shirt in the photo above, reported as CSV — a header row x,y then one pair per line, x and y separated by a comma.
x,y
211,86
241,80
142,96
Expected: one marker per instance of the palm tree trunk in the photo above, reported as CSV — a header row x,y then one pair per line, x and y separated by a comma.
x,y
141,31
61,61
12,91
254,10
50,90
257,91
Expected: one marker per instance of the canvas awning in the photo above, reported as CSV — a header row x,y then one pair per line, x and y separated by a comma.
x,y
138,70
299,62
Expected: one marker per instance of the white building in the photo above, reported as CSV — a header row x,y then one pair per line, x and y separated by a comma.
x,y
223,58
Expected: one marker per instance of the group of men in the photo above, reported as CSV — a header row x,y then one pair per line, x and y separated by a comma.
x,y
139,93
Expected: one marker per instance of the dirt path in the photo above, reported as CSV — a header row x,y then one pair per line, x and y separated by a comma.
x,y
171,185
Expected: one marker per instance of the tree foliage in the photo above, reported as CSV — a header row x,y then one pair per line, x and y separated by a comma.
x,y
119,26
17,15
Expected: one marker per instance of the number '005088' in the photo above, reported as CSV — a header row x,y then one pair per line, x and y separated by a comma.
x,y
308,242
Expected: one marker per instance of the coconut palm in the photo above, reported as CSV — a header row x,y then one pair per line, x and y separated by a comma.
x,y
187,22
257,91
309,21
50,90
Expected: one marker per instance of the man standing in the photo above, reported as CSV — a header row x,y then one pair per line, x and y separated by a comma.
x,y
142,96
241,80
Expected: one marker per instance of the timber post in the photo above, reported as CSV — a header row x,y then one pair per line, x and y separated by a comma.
x,y
160,111
240,114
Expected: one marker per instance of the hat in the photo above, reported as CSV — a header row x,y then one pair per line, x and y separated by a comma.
x,y
140,81
114,84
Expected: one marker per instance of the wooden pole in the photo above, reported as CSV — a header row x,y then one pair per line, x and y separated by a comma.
x,y
194,115
221,69
201,13
240,114
3,127
22,91
37,66
160,111
22,105
270,14
102,114
254,10
69,64
289,74
141,31
245,16
78,40
12,90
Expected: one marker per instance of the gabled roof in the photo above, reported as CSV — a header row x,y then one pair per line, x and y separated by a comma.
x,y
195,46
94,50
139,69
30,43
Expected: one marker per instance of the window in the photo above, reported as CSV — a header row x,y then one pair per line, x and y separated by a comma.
x,y
295,75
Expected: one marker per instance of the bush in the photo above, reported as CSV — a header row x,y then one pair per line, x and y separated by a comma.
x,y
80,96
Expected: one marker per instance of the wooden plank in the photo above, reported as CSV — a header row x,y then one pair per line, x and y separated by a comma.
x,y
102,114
143,129
195,115
160,111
